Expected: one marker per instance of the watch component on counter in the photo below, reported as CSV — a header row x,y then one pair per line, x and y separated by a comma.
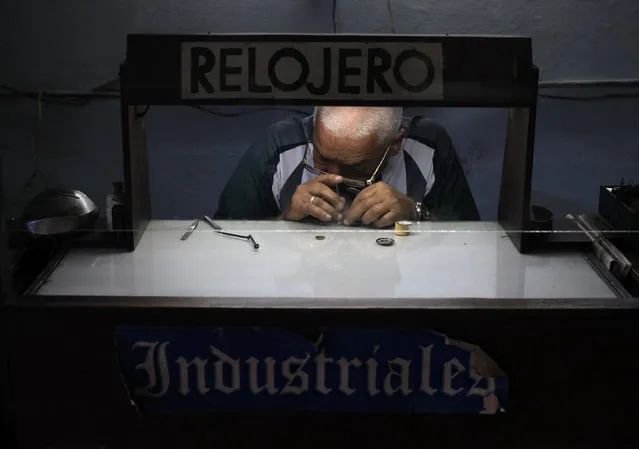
x,y
385,241
402,228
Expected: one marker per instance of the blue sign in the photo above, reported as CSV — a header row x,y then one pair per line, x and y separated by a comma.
x,y
169,370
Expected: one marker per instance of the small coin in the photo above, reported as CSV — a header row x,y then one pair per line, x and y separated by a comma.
x,y
384,241
319,237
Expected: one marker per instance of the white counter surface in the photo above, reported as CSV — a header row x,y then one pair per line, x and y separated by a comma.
x,y
438,260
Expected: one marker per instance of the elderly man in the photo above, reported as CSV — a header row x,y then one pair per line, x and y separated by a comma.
x,y
351,165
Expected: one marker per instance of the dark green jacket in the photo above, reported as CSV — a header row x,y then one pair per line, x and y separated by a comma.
x,y
427,170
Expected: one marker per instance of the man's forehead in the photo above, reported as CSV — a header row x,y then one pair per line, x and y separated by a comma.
x,y
344,142
346,149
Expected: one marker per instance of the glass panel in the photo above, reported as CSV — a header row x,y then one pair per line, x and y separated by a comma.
x,y
242,166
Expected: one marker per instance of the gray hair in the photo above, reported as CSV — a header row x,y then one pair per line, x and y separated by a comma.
x,y
360,122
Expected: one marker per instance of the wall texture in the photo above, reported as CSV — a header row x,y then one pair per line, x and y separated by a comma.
x,y
78,44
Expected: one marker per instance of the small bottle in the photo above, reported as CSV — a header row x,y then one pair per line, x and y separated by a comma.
x,y
114,206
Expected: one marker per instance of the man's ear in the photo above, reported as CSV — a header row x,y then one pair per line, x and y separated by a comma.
x,y
396,146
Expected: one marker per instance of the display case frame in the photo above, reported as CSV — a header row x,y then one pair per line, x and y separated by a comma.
x,y
558,353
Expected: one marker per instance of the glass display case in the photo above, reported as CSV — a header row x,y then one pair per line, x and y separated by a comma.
x,y
414,320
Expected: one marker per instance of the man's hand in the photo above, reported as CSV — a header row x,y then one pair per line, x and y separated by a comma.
x,y
380,205
316,199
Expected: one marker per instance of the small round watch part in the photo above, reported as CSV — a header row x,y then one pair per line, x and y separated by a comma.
x,y
385,241
319,237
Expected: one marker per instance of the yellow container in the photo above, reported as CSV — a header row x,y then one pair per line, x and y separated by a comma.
x,y
402,228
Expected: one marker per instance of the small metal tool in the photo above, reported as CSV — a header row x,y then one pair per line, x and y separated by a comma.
x,y
218,229
212,223
255,245
244,237
189,231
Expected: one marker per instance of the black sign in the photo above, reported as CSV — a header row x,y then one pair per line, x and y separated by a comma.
x,y
312,70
